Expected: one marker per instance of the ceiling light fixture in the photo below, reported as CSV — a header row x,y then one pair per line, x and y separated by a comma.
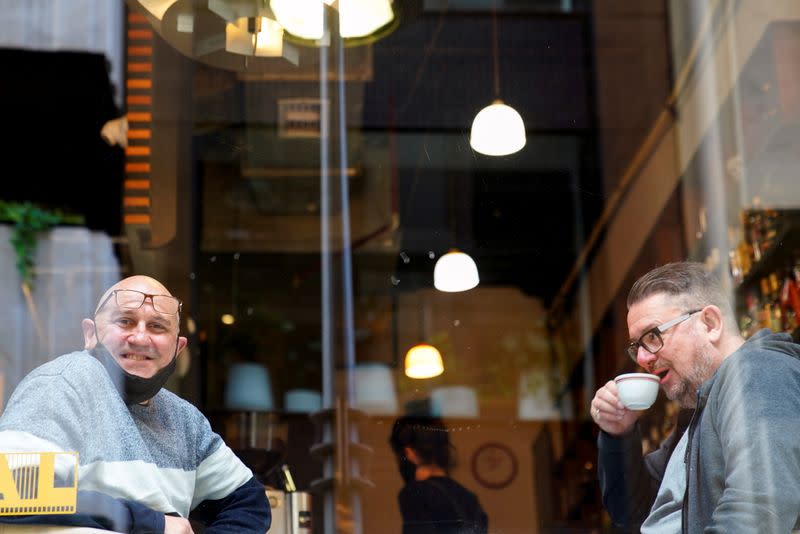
x,y
157,8
232,10
301,18
243,35
423,360
358,19
497,129
254,36
455,271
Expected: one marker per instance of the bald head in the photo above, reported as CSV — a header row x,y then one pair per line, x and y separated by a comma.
x,y
136,324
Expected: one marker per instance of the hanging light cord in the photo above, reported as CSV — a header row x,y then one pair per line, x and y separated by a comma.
x,y
495,52
451,190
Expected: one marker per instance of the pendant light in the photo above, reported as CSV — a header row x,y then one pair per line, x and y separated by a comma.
x,y
423,360
358,19
497,129
264,38
455,271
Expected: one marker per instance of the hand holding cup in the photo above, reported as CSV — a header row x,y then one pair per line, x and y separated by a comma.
x,y
608,408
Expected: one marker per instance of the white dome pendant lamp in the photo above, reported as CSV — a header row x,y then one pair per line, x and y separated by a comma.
x,y
456,270
497,129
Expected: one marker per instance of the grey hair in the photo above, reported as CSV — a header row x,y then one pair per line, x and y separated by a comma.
x,y
689,284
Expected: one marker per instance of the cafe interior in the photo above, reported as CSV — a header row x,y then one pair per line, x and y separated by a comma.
x,y
378,208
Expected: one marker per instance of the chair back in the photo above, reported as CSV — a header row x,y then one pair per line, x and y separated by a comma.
x,y
28,483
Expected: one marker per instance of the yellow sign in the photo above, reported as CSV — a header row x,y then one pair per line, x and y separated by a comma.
x,y
28,483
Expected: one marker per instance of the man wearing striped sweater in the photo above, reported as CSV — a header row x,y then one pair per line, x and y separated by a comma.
x,y
147,457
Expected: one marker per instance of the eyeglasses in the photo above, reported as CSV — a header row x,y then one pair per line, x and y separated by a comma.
x,y
651,341
130,299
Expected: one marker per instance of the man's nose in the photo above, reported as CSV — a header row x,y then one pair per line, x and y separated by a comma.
x,y
644,358
139,333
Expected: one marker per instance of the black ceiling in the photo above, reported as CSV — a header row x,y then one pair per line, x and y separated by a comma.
x,y
437,72
522,216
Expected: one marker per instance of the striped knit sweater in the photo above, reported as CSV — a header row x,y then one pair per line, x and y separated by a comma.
x,y
162,456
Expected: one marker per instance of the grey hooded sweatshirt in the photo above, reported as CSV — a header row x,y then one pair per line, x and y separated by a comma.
x,y
743,456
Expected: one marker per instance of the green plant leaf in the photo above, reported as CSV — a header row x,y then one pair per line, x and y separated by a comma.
x,y
28,220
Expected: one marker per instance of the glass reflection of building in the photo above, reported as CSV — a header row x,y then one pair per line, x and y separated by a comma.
x,y
298,191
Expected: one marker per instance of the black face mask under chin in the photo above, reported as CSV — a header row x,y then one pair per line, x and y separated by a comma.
x,y
133,389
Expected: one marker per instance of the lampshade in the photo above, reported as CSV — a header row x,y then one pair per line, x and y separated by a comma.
x,y
423,361
454,401
497,130
248,388
301,18
157,7
374,388
302,401
254,36
455,271
232,10
357,18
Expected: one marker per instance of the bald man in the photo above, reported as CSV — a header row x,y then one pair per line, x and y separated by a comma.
x,y
147,457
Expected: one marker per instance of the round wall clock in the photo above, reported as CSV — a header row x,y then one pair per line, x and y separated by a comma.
x,y
494,465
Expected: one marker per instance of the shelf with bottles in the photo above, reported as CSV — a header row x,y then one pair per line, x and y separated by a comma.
x,y
775,306
766,268
768,241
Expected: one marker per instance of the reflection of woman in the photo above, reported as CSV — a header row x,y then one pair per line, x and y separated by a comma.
x,y
431,502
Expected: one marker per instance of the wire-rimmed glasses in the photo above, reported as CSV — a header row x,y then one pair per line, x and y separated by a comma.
x,y
130,299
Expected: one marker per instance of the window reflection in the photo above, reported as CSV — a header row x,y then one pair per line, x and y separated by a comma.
x,y
299,199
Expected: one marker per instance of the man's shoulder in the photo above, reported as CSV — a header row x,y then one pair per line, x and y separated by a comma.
x,y
74,375
755,361
764,371
73,366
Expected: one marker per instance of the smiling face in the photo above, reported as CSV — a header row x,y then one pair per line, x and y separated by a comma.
x,y
142,341
686,360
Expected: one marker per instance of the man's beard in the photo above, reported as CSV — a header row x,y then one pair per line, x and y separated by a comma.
x,y
685,390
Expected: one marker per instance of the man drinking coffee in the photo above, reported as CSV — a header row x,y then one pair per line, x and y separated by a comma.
x,y
733,463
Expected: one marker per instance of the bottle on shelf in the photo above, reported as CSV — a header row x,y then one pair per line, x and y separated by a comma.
x,y
764,305
753,225
749,322
790,297
770,225
775,317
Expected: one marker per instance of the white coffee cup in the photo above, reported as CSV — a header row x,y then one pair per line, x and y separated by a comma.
x,y
637,391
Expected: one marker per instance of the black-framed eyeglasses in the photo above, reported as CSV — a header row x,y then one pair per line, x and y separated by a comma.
x,y
651,341
130,299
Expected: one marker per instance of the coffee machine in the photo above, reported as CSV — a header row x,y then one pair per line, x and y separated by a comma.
x,y
260,439
291,511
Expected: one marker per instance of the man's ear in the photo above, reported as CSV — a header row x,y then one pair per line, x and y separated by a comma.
x,y
89,334
411,455
712,321
182,341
